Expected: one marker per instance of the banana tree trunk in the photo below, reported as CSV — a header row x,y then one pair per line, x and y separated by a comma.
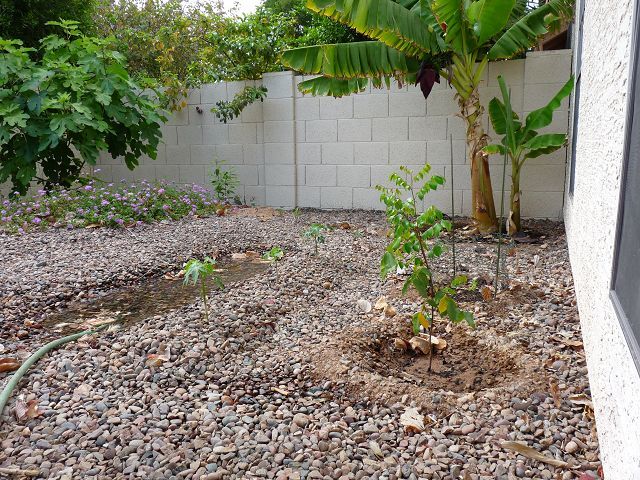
x,y
514,214
482,203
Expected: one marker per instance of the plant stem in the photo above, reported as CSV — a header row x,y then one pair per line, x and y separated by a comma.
x,y
15,379
430,332
453,210
204,299
504,174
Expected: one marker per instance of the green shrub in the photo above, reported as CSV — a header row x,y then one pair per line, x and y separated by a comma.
x,y
58,113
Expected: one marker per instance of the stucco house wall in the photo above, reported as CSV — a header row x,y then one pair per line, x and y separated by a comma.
x,y
590,218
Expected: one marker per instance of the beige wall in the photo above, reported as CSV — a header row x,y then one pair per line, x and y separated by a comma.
x,y
590,217
331,153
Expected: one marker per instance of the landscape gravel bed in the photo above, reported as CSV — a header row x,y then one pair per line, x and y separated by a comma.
x,y
291,378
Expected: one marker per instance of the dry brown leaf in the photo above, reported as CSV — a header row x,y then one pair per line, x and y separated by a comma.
x,y
9,364
577,344
238,256
381,303
555,393
532,453
281,391
92,225
344,226
487,292
364,305
375,449
581,399
157,359
420,344
412,421
389,311
26,410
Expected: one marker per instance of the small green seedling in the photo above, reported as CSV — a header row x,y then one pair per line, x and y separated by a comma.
x,y
358,234
273,255
296,213
316,231
195,270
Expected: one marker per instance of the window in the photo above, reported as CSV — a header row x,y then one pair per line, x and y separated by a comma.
x,y
626,269
576,96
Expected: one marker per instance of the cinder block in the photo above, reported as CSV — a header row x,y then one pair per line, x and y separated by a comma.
x,y
169,135
511,70
189,135
407,153
407,105
559,157
331,107
456,127
178,155
308,197
279,84
354,130
542,204
517,93
144,172
252,113
336,197
354,176
301,131
380,174
254,195
322,131
370,106
215,134
229,153
439,152
192,174
371,153
247,174
309,153
122,172
390,129
427,128
195,117
442,102
280,196
207,117
243,133
274,109
547,67
321,175
279,153
261,176
203,154
170,173
213,92
559,124
542,178
253,154
279,174
367,199
193,96
234,88
308,108
441,199
337,153
180,117
278,131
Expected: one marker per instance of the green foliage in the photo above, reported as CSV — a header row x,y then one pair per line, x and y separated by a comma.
x,y
59,112
316,231
98,204
276,253
227,111
224,181
26,20
521,140
196,270
416,243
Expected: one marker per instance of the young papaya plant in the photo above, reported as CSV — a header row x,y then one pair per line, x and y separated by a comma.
x,y
416,243
521,140
196,270
316,231
276,253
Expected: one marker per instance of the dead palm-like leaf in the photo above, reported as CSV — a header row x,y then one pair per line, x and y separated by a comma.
x,y
412,421
532,453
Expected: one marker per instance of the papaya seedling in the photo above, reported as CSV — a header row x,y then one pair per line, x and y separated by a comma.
x,y
415,244
316,232
196,270
276,253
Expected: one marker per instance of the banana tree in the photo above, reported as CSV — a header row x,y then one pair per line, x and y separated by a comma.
x,y
421,41
522,140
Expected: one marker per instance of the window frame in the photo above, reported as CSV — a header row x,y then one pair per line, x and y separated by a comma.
x,y
575,104
634,76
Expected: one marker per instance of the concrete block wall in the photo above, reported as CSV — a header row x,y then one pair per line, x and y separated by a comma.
x,y
296,150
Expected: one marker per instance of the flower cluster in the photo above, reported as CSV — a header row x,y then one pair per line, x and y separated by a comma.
x,y
100,204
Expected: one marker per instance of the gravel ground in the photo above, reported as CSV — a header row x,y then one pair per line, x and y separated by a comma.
x,y
289,379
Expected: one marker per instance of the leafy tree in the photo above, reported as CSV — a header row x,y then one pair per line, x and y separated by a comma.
x,y
26,20
521,139
421,41
57,113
